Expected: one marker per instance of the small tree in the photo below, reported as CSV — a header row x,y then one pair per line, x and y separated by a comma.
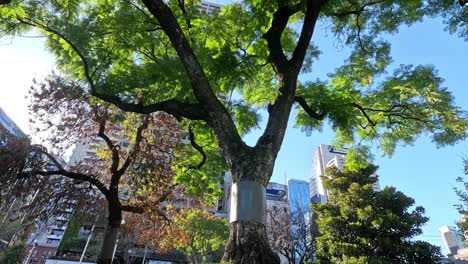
x,y
291,234
196,232
360,225
14,254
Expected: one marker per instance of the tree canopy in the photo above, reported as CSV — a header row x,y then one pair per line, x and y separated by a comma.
x,y
124,54
362,225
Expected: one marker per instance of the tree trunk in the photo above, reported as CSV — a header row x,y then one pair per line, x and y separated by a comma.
x,y
107,248
112,230
248,244
248,241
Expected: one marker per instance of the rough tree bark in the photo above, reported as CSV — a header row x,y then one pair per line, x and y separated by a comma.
x,y
248,243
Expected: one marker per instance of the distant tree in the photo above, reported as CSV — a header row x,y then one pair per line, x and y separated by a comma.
x,y
224,70
291,234
12,248
360,225
462,193
14,254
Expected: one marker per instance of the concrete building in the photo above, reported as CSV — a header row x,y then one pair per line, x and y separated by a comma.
x,y
451,238
324,157
209,7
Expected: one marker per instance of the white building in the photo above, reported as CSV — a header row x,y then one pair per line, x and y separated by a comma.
x,y
451,238
209,7
8,124
326,156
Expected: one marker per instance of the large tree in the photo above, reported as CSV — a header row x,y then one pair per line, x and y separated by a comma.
x,y
361,225
220,70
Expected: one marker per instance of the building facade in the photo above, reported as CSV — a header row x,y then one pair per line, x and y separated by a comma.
x,y
451,239
299,197
326,156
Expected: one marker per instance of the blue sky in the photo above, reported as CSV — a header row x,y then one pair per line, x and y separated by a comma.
x,y
421,171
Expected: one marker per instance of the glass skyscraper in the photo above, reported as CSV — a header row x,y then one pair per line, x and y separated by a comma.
x,y
298,197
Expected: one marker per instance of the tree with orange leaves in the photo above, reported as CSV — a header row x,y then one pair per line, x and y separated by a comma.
x,y
195,232
134,153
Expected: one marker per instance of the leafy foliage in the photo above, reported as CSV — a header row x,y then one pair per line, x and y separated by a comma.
x,y
361,225
14,254
126,53
463,197
195,232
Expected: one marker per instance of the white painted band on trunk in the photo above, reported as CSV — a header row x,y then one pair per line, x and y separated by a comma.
x,y
248,202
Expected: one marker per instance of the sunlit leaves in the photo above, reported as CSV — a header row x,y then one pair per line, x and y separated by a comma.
x,y
391,112
199,180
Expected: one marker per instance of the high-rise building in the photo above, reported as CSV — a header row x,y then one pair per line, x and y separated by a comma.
x,y
299,197
451,238
324,157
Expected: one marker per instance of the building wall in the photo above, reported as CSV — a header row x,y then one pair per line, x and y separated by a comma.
x,y
299,196
451,239
324,157
39,254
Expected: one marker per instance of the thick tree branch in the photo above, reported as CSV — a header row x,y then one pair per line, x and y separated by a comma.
x,y
181,4
192,111
217,115
273,37
136,146
132,209
288,72
198,148
42,150
363,112
72,175
115,155
174,107
302,102
311,15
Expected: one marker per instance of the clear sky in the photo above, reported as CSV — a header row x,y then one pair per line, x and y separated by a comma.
x,y
421,171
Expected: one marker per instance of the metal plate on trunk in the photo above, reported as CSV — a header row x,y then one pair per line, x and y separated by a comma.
x,y
248,202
